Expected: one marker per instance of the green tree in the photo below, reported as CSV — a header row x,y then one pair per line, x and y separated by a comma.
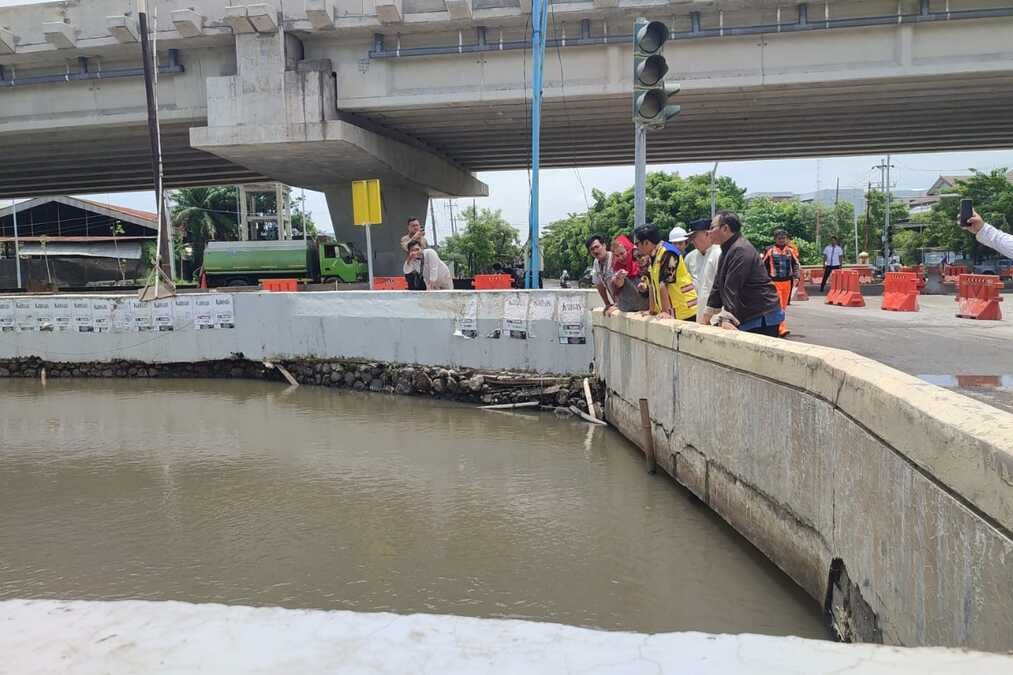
x,y
671,199
992,194
487,239
203,214
908,245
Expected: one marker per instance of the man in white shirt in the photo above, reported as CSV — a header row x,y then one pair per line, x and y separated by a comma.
x,y
833,257
424,271
990,235
702,261
601,268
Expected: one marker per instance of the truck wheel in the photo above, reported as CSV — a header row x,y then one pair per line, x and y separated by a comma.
x,y
331,280
236,282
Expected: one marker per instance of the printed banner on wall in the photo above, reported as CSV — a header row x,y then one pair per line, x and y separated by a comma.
x,y
161,315
540,308
102,314
571,320
7,324
116,315
83,321
63,315
24,315
515,316
223,314
466,325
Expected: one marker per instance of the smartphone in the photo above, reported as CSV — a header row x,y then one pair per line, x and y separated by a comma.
x,y
966,211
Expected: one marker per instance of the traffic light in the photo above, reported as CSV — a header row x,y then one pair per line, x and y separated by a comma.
x,y
650,91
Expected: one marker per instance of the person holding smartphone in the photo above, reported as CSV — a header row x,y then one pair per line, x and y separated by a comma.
x,y
989,235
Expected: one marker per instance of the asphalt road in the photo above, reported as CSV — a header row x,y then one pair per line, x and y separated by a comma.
x,y
932,343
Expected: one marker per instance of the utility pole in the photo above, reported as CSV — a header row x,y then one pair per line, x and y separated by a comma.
x,y
868,192
17,242
453,223
816,201
639,176
884,174
432,217
163,261
714,194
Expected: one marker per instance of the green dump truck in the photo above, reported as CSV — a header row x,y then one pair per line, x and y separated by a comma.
x,y
245,263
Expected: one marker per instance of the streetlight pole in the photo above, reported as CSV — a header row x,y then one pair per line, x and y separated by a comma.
x,y
714,194
540,18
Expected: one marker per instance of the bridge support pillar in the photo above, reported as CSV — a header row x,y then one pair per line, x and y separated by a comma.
x,y
400,202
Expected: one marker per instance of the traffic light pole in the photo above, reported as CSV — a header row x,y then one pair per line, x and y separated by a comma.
x,y
640,175
539,25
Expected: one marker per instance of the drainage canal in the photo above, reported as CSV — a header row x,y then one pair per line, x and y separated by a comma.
x,y
243,492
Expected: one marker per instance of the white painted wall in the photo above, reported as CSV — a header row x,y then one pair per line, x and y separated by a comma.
x,y
398,327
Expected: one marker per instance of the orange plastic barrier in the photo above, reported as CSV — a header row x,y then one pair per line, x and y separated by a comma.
x,y
279,285
489,282
390,284
978,295
951,273
919,272
845,289
900,292
800,294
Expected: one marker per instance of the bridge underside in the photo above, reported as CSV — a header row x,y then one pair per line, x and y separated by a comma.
x,y
107,158
820,119
814,120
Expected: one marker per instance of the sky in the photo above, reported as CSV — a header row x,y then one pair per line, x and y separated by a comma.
x,y
565,191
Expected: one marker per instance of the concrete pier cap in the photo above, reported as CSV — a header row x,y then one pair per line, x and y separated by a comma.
x,y
278,117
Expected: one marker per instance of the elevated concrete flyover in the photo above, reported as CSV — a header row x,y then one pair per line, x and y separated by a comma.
x,y
422,93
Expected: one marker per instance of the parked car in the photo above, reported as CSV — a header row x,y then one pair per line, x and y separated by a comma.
x,y
997,266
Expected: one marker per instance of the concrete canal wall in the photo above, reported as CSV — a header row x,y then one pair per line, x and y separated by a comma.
x,y
389,327
886,498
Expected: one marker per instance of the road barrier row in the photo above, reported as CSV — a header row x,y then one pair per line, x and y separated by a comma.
x,y
279,285
845,289
487,282
900,292
978,297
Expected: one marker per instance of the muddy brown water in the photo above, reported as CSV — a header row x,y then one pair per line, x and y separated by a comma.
x,y
244,493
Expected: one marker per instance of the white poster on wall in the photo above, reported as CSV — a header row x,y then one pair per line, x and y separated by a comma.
x,y
203,312
101,315
7,321
161,315
572,320
466,324
43,309
140,315
541,307
224,312
63,315
24,315
122,315
182,316
83,322
515,316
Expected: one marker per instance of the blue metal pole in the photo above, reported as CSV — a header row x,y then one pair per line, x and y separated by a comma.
x,y
540,15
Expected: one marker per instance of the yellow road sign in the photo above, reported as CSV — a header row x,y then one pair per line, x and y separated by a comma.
x,y
366,202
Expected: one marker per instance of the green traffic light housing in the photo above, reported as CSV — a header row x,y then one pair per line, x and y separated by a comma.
x,y
650,92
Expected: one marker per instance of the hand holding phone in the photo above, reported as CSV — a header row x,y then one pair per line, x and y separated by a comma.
x,y
966,211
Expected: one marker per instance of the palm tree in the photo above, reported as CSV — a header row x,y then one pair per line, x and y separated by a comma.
x,y
203,214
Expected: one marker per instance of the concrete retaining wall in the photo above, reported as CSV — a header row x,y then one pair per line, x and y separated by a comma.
x,y
392,327
888,499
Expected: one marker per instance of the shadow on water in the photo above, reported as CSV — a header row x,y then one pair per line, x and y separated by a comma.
x,y
245,492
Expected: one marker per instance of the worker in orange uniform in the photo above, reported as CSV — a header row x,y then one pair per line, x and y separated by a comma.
x,y
781,261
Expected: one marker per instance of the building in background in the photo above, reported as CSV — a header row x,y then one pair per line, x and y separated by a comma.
x,y
68,242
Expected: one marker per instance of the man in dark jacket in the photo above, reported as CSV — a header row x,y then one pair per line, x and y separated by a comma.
x,y
743,296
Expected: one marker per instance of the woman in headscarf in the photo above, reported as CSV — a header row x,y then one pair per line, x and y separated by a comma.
x,y
626,275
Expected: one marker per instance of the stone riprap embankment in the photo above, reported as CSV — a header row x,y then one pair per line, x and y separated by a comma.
x,y
465,385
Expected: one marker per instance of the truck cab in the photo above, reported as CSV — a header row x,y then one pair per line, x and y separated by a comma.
x,y
340,262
